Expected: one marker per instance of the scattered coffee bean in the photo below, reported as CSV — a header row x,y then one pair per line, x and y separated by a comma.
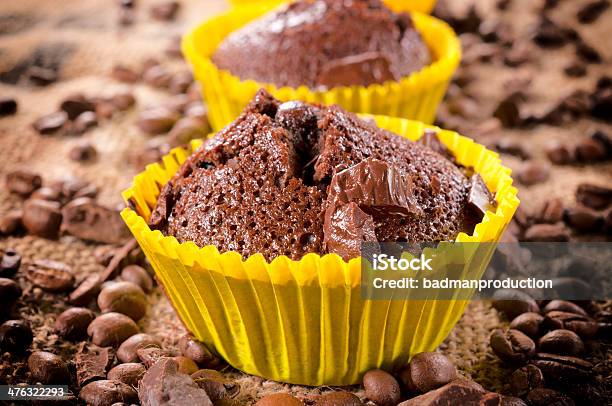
x,y
594,196
552,211
338,398
514,302
157,76
86,291
197,110
576,69
508,112
584,326
10,292
111,329
82,151
105,109
165,11
127,351
51,123
75,105
512,346
49,275
533,172
138,276
587,53
216,385
563,368
123,297
525,379
163,384
427,371
381,387
158,120
42,218
48,368
86,219
84,122
547,397
124,74
10,263
549,35
547,233
529,323
185,365
457,392
106,393
11,223
73,322
185,130
507,146
15,336
279,399
198,352
41,76
179,83
91,363
591,11
590,150
129,373
564,306
604,139
150,355
23,182
583,219
561,342
47,193
123,101
8,106
561,153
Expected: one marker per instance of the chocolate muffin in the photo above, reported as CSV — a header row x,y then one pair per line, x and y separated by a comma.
x,y
325,43
293,178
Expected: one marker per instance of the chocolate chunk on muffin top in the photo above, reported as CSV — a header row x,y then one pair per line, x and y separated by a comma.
x,y
293,178
325,43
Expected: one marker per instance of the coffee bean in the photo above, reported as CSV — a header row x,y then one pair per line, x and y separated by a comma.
x,y
50,123
179,83
157,76
73,322
514,302
552,211
594,196
106,393
584,326
42,218
338,399
583,219
123,101
47,193
428,371
604,139
41,76
561,153
91,363
525,379
10,263
105,109
88,220
279,399
547,233
591,11
165,11
507,146
533,172
215,384
124,74
127,351
185,130
589,150
23,182
157,121
576,69
550,35
458,392
198,352
561,342
82,151
564,306
137,275
49,275
548,397
48,368
197,110
185,365
381,387
163,384
10,292
150,355
111,329
75,105
129,373
508,112
8,106
563,368
587,53
512,346
529,323
84,122
15,336
11,223
123,297
86,291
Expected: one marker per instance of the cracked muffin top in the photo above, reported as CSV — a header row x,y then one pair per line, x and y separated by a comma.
x,y
325,43
293,178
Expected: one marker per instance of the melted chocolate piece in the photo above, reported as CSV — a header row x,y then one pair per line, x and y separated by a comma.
x,y
480,200
345,228
362,69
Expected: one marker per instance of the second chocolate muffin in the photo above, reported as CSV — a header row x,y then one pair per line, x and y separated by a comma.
x,y
325,43
292,178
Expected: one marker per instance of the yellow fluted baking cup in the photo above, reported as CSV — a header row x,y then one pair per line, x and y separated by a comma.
x,y
416,96
422,6
304,321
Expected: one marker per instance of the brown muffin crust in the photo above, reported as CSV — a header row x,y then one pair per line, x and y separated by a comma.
x,y
325,43
262,184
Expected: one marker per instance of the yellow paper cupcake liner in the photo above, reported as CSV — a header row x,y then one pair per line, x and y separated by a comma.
x,y
304,321
422,6
416,96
